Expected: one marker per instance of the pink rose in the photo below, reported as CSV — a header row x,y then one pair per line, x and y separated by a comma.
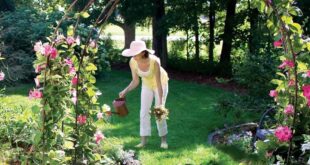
x,y
289,109
70,40
99,115
98,137
37,81
283,133
72,70
81,119
74,100
53,53
68,62
36,94
74,81
78,40
273,93
308,74
277,43
306,91
38,47
291,82
92,44
286,63
2,75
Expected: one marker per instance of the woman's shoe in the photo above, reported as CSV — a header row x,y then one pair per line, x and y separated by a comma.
x,y
164,145
140,145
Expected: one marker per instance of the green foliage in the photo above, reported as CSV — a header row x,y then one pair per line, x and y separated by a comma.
x,y
19,30
290,83
255,71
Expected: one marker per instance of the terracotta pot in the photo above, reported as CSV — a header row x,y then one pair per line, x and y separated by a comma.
x,y
120,107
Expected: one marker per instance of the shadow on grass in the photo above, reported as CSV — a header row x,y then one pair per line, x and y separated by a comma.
x,y
239,155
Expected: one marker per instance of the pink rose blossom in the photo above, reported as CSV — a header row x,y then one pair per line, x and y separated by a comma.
x,y
99,115
37,81
2,75
68,62
283,133
53,53
277,43
74,100
70,40
60,38
92,44
286,63
273,93
81,119
307,74
72,70
289,109
98,137
36,94
306,91
74,81
38,47
291,82
78,40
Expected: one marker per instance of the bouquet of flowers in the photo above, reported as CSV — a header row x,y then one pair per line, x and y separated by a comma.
x,y
160,112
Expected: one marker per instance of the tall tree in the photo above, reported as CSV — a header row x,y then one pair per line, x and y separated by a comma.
x,y
211,30
159,31
196,31
225,58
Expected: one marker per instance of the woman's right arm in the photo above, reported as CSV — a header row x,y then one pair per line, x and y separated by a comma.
x,y
133,84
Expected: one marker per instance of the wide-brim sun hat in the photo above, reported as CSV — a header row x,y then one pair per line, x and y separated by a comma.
x,y
135,48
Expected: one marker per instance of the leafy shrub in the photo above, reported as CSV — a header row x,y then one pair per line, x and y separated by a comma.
x,y
19,30
255,73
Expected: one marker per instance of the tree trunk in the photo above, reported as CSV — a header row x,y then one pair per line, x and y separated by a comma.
x,y
212,26
196,31
253,19
225,62
130,34
159,34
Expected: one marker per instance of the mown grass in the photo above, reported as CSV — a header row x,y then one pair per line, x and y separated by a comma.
x,y
193,115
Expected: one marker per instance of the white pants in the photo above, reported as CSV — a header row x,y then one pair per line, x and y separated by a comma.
x,y
147,97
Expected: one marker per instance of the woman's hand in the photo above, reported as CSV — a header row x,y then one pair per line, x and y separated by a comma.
x,y
122,94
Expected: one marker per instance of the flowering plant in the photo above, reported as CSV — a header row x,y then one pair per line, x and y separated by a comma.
x,y
292,95
160,112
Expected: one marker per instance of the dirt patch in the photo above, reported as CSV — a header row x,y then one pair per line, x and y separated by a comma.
x,y
194,77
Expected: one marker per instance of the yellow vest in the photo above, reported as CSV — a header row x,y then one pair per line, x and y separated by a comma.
x,y
148,77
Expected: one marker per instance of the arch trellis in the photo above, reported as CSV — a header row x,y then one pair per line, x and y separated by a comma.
x,y
69,97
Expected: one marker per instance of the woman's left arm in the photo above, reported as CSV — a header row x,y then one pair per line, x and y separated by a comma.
x,y
158,82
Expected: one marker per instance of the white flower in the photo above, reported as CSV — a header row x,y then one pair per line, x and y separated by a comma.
x,y
60,153
305,147
106,108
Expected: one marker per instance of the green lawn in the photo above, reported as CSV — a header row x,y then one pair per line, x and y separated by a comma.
x,y
192,118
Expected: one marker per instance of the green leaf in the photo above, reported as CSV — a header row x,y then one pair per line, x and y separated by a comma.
x,y
261,6
308,46
92,79
35,109
295,11
68,145
85,14
36,137
90,92
287,19
269,24
302,66
70,31
295,27
276,82
91,67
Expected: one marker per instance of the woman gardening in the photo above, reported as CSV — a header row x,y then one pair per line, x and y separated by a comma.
x,y
154,85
